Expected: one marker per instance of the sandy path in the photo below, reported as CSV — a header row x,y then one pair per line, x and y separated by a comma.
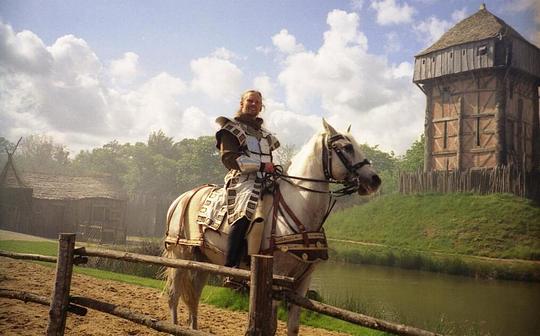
x,y
19,318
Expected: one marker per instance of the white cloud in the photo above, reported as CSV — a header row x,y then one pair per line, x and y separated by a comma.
x,y
196,122
64,91
217,78
389,12
265,85
22,52
263,50
74,62
125,69
352,86
459,14
527,5
225,54
431,29
286,42
404,69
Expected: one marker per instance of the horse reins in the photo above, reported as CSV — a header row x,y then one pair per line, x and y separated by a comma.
x,y
328,146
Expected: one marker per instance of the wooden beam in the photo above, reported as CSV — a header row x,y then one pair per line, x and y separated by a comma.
x,y
459,155
355,318
127,314
62,284
428,130
177,263
27,256
31,297
260,296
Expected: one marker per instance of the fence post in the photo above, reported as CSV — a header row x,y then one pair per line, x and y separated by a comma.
x,y
260,296
62,284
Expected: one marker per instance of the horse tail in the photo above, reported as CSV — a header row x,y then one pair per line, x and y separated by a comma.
x,y
181,282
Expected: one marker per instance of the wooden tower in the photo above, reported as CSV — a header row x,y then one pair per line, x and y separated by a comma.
x,y
481,82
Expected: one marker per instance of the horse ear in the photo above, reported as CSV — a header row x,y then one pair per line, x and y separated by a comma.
x,y
349,129
329,129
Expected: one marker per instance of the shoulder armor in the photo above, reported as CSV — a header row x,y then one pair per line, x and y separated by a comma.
x,y
232,127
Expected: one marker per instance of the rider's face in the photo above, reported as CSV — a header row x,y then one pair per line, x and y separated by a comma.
x,y
251,104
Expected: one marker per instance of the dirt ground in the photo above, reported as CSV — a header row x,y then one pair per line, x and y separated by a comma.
x,y
19,318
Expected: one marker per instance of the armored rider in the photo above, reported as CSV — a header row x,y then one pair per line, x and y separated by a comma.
x,y
246,151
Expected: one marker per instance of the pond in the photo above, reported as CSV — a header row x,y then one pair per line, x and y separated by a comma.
x,y
437,302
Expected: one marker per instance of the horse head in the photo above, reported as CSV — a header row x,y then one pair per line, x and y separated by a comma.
x,y
343,160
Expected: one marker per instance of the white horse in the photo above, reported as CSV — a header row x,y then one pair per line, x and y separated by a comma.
x,y
328,157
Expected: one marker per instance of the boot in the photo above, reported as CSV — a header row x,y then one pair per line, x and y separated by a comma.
x,y
235,242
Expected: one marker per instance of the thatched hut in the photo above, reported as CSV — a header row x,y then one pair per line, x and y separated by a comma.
x,y
45,205
481,82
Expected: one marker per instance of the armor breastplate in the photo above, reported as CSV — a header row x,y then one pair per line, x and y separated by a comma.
x,y
258,149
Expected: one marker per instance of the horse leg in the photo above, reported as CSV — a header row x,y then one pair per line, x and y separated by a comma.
x,y
184,284
195,282
293,322
173,293
173,285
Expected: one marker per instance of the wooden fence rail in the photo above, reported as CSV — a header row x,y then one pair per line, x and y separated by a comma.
x,y
177,263
355,318
261,279
31,297
129,315
27,256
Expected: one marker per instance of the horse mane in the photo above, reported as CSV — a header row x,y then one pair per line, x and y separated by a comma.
x,y
309,153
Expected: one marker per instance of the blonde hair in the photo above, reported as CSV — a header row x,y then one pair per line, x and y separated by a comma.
x,y
258,93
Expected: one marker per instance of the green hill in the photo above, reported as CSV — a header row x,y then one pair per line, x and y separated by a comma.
x,y
497,226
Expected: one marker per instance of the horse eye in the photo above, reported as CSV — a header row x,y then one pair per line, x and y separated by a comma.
x,y
349,148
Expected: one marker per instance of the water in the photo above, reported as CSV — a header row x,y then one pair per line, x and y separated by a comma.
x,y
461,305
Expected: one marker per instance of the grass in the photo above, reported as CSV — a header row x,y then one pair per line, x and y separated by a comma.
x,y
442,233
497,225
212,295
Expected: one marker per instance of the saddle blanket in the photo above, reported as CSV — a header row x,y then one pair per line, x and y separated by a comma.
x,y
214,210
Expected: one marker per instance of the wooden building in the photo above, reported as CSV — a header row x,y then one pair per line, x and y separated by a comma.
x,y
481,82
45,205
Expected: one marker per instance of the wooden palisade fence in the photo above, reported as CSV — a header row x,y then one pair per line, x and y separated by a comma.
x,y
501,179
262,284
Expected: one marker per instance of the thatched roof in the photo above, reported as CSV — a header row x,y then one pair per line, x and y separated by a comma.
x,y
479,26
71,187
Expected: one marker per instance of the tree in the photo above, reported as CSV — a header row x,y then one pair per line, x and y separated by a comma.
x,y
159,143
199,163
413,160
284,154
111,159
5,146
40,154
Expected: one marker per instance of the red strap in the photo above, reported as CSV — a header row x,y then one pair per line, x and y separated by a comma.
x,y
296,221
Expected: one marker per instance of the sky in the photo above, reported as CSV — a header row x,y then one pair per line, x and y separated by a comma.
x,y
89,72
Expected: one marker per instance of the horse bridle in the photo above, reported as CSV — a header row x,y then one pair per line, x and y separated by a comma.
x,y
328,146
350,183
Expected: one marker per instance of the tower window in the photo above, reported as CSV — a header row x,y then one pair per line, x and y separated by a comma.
x,y
482,50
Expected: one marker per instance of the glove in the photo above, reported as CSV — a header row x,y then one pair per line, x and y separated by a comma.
x,y
268,167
